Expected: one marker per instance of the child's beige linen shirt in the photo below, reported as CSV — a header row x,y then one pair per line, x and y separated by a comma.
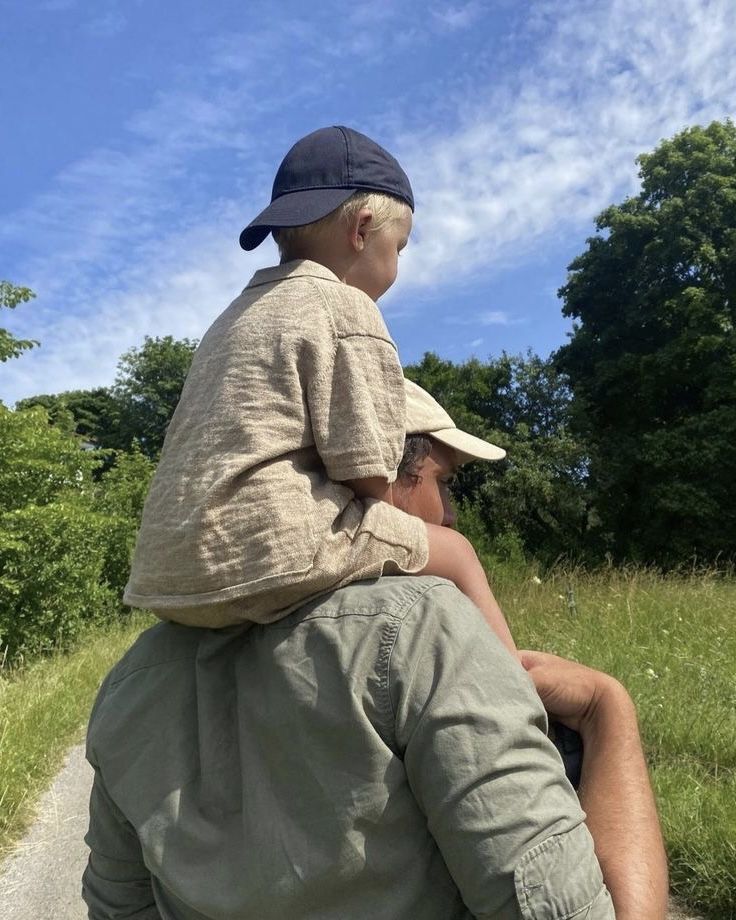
x,y
296,387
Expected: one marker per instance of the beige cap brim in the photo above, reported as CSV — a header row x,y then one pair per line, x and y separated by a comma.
x,y
424,415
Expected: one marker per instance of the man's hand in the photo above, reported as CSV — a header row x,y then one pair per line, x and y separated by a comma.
x,y
571,692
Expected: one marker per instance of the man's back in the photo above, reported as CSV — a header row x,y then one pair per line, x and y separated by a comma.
x,y
376,754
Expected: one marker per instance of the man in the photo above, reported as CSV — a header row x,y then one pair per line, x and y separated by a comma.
x,y
376,754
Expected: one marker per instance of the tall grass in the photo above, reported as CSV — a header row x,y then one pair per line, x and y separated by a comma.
x,y
43,709
672,642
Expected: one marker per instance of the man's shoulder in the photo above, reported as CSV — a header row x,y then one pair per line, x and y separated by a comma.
x,y
168,647
394,596
164,644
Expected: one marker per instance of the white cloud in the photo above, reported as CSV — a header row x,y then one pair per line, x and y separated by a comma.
x,y
497,318
458,16
484,318
544,152
168,293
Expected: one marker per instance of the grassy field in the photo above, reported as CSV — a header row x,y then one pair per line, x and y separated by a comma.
x,y
43,710
671,641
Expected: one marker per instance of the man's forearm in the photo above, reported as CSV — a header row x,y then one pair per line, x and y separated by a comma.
x,y
621,814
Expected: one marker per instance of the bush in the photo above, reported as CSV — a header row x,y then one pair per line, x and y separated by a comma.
x,y
502,548
52,560
68,519
119,498
39,461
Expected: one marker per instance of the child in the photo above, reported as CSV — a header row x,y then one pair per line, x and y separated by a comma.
x,y
274,483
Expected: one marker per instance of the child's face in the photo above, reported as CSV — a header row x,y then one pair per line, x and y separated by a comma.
x,y
375,269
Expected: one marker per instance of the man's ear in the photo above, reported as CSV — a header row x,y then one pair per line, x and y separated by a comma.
x,y
359,227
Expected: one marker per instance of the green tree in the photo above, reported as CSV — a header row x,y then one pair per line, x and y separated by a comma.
x,y
93,415
147,388
39,462
135,412
652,356
52,541
119,497
11,296
533,502
67,529
55,409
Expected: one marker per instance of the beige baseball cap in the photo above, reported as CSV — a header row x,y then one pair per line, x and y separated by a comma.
x,y
424,415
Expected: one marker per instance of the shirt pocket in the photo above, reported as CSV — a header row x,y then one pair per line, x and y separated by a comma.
x,y
560,879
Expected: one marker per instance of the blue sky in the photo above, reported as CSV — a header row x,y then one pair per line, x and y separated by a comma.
x,y
140,136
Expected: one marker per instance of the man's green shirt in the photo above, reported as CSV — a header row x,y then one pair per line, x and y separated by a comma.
x,y
376,754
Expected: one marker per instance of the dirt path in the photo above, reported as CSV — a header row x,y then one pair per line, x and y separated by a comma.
x,y
42,879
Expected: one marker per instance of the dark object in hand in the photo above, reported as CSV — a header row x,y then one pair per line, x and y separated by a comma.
x,y
570,745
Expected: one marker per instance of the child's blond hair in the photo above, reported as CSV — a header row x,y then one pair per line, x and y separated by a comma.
x,y
293,241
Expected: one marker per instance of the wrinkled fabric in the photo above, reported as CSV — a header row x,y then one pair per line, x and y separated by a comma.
x,y
377,753
294,389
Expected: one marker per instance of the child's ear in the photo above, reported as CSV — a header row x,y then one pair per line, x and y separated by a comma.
x,y
360,226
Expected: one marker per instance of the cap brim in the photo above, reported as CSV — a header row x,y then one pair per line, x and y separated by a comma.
x,y
467,446
293,210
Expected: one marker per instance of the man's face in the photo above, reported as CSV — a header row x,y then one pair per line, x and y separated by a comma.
x,y
426,494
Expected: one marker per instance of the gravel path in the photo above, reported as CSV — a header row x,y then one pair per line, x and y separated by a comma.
x,y
42,879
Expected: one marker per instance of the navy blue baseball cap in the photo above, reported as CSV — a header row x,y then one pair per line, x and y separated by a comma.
x,y
319,173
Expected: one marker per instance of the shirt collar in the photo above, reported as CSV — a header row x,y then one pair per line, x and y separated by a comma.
x,y
298,268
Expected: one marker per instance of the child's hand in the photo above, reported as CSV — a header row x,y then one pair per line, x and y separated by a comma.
x,y
372,487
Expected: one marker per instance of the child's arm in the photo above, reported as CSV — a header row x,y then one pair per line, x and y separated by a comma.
x,y
452,556
372,487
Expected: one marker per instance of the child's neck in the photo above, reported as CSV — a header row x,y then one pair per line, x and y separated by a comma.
x,y
339,264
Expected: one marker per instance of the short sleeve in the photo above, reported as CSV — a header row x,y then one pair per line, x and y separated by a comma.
x,y
356,401
471,730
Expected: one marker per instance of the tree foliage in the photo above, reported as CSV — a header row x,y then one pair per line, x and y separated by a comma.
x,y
51,554
11,296
93,415
534,501
134,413
65,532
52,559
69,514
147,389
652,356
119,497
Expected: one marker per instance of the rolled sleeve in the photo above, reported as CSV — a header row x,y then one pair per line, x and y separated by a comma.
x,y
472,732
557,878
